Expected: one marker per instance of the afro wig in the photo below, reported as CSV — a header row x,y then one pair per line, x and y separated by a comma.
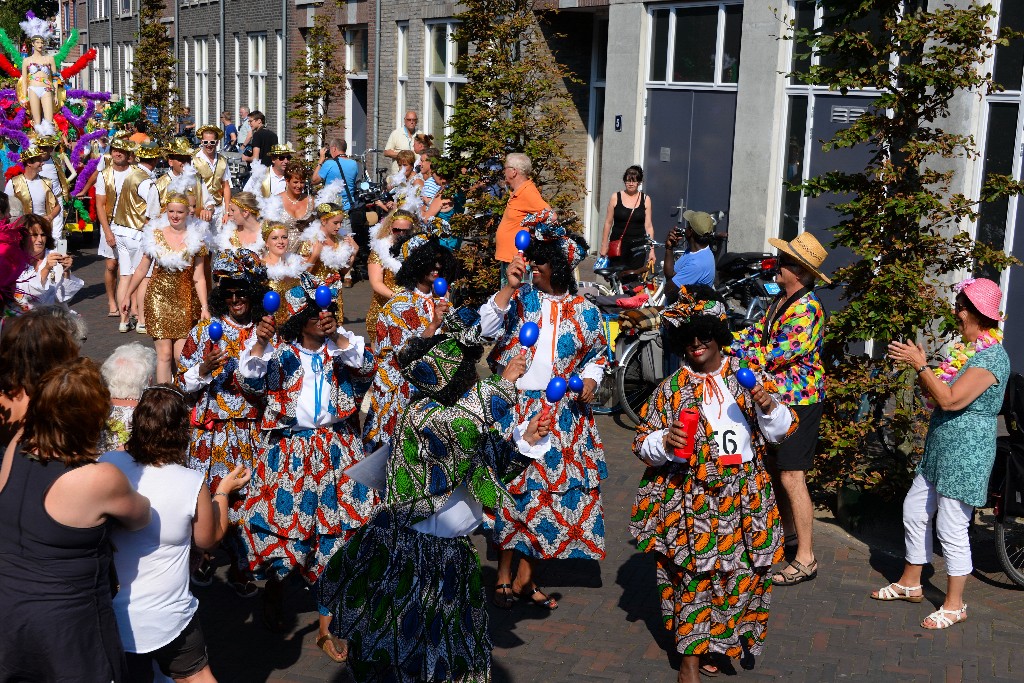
x,y
422,260
550,251
703,327
253,290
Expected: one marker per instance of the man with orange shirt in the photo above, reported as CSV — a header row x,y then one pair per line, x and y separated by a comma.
x,y
524,198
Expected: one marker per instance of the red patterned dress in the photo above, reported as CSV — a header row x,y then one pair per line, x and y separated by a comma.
x,y
714,529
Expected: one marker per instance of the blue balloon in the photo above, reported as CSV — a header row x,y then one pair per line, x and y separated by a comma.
x,y
215,330
556,390
323,296
575,384
523,240
746,378
271,302
529,333
440,287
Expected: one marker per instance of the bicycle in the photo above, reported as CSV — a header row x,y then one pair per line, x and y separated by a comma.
x,y
651,281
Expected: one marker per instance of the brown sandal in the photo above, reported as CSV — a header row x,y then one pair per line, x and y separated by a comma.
x,y
803,573
325,640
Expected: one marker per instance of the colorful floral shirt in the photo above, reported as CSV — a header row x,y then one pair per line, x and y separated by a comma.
x,y
793,352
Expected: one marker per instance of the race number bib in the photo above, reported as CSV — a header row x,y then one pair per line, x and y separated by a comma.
x,y
730,429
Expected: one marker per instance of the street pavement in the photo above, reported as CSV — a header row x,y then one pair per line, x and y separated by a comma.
x,y
608,625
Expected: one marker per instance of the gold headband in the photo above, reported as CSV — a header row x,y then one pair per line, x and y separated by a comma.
x,y
175,197
271,226
327,210
243,207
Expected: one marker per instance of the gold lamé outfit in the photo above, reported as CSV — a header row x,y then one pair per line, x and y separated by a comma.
x,y
281,287
378,301
172,304
327,275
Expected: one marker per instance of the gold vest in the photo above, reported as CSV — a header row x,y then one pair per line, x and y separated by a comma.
x,y
213,178
164,181
111,189
131,207
265,185
19,184
62,176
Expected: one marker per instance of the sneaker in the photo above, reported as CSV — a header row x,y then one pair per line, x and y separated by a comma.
x,y
124,327
141,328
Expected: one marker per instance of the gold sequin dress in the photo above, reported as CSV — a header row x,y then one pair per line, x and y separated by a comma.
x,y
380,255
327,269
172,305
282,276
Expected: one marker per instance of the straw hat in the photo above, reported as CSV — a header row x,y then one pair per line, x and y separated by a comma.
x,y
985,295
805,249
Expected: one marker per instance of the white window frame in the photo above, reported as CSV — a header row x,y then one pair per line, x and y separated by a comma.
x,y
451,79
201,71
353,75
238,81
281,94
107,70
668,83
402,72
129,65
99,9
257,54
218,101
185,91
124,8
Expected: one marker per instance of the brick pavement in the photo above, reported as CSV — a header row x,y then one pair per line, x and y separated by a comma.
x,y
607,627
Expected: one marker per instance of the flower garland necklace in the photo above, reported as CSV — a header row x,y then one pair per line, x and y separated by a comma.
x,y
961,353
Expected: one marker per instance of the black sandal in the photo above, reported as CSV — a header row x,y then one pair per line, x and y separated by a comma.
x,y
503,596
546,602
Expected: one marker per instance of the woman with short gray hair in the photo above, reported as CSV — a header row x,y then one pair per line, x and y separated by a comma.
x,y
127,372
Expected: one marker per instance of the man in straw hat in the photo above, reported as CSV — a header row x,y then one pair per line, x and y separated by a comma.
x,y
786,343
212,167
179,161
109,182
29,191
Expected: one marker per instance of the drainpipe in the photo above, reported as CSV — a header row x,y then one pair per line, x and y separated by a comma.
x,y
376,83
222,59
177,66
283,66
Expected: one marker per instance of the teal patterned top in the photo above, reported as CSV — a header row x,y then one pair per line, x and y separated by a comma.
x,y
961,444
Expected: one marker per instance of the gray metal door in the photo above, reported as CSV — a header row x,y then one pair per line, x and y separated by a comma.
x,y
358,122
1013,329
688,159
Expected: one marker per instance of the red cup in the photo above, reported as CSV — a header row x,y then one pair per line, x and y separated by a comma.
x,y
688,418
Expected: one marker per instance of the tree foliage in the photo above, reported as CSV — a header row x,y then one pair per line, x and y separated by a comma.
x,y
899,216
514,100
320,77
12,13
153,72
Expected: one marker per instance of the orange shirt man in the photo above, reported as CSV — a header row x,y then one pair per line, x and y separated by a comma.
x,y
524,199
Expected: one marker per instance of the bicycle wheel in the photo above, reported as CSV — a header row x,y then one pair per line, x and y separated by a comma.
x,y
634,390
1010,547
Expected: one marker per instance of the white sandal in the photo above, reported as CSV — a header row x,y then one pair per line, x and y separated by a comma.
x,y
941,621
889,593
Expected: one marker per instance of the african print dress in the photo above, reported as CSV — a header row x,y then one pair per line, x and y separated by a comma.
x,y
714,528
172,305
225,415
300,504
556,509
407,590
380,254
405,316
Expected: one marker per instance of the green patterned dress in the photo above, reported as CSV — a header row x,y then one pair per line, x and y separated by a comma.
x,y
411,604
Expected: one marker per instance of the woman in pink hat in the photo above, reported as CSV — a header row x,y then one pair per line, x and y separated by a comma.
x,y
952,480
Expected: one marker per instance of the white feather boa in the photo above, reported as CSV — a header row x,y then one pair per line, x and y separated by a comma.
x,y
382,248
164,256
227,239
330,193
290,266
257,173
332,257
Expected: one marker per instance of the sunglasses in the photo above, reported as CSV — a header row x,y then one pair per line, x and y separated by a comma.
x,y
700,343
209,143
285,158
234,294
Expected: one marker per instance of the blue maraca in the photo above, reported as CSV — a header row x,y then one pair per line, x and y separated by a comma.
x,y
575,384
529,333
323,296
216,331
746,378
440,287
556,390
271,302
522,240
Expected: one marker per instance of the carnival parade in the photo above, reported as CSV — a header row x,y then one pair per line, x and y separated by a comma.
x,y
251,407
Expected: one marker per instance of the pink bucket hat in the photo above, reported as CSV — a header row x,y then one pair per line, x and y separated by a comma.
x,y
984,294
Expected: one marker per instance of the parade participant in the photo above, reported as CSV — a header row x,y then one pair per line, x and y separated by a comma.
x,y
137,202
179,161
269,181
58,170
47,279
283,266
29,192
109,182
175,243
212,167
294,207
383,266
705,506
225,417
242,228
413,562
301,506
329,253
156,612
40,89
966,392
786,343
562,492
127,372
412,312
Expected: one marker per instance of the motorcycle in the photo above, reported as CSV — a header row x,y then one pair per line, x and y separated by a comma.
x,y
746,284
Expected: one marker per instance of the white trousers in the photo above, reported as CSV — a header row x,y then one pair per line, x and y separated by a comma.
x,y
952,520
129,248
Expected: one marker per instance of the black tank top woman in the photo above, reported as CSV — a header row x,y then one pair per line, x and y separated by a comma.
x,y
630,229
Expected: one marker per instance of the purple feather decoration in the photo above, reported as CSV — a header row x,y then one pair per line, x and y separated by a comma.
x,y
84,95
79,121
76,153
30,14
8,92
16,135
84,175
16,123
12,157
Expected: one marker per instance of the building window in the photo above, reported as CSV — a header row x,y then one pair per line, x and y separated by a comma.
x,y
107,71
218,100
202,81
358,51
402,81
128,60
442,78
696,44
238,81
281,95
99,9
124,7
257,71
184,79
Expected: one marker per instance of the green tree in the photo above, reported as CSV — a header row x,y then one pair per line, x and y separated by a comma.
x,y
320,77
12,12
153,71
900,215
514,100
